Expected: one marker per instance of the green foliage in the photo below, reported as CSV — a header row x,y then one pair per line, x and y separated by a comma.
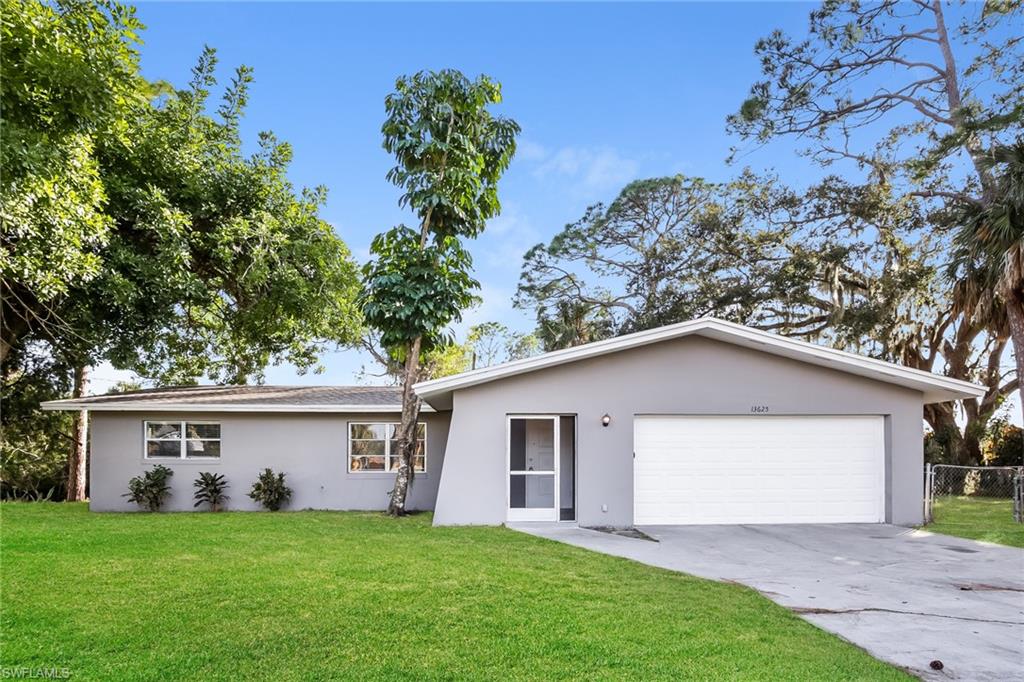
x,y
492,343
656,244
843,263
1004,444
990,239
151,488
70,77
450,149
941,446
565,323
446,360
270,490
35,444
829,84
136,230
486,344
210,489
266,280
875,91
412,291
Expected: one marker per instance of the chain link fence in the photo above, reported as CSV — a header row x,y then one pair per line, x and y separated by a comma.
x,y
973,494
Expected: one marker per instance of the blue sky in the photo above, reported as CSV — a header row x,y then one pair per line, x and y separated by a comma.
x,y
605,93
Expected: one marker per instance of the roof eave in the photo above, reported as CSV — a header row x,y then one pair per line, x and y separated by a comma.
x,y
75,405
935,388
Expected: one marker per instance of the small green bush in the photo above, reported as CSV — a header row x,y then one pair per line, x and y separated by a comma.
x,y
210,490
270,490
1004,444
150,489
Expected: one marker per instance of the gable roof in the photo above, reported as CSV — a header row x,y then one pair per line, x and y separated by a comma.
x,y
242,399
936,388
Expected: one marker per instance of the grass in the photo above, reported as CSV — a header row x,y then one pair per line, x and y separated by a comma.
x,y
326,595
977,518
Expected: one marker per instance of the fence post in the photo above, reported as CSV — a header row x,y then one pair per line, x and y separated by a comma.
x,y
927,493
1018,495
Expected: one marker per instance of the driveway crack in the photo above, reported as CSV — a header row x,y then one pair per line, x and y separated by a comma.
x,y
816,610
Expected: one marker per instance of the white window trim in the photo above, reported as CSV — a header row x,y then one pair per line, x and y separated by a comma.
x,y
387,449
182,438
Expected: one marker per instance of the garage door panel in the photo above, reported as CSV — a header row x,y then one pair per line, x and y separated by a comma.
x,y
758,469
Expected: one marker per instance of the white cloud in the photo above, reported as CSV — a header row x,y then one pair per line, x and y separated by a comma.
x,y
506,239
496,307
527,150
587,170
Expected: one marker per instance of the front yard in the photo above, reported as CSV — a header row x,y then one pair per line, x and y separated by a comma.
x,y
977,518
321,595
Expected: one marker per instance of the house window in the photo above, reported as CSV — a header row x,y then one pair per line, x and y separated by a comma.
x,y
373,447
182,440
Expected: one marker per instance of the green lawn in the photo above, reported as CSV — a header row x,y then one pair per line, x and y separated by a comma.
x,y
978,518
321,595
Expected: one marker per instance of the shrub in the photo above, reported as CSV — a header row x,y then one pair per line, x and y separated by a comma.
x,y
150,489
270,490
1004,444
210,490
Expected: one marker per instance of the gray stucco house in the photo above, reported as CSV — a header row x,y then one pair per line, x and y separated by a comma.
x,y
698,422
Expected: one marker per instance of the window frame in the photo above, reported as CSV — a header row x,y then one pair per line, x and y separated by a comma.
x,y
387,448
183,439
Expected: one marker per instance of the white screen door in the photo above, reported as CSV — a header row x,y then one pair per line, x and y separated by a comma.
x,y
533,457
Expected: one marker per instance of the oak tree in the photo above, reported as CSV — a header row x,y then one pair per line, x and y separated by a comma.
x,y
135,230
913,96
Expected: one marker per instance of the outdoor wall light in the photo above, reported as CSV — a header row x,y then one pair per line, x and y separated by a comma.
x,y
606,419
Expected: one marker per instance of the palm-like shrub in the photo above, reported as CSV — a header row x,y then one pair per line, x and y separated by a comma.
x,y
210,489
151,488
270,490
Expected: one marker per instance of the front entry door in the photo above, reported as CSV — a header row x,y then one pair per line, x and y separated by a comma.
x,y
533,458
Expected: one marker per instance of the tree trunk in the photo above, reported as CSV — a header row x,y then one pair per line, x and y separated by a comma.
x,y
953,97
407,430
411,401
80,445
962,445
1015,315
12,328
20,314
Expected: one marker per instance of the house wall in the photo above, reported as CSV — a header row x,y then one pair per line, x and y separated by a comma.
x,y
311,449
690,375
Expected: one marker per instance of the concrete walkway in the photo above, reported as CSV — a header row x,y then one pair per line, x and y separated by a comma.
x,y
908,597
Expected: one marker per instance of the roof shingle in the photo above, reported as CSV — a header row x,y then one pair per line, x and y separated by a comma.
x,y
239,397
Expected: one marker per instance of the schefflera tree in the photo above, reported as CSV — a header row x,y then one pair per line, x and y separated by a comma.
x,y
450,151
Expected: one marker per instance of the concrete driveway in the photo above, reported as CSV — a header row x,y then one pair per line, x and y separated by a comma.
x,y
908,597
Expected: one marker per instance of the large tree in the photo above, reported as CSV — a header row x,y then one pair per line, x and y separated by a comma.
x,y
186,257
486,344
897,91
492,343
631,265
989,243
450,151
135,229
840,263
70,79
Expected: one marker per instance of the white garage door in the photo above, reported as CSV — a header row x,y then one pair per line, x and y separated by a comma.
x,y
758,470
